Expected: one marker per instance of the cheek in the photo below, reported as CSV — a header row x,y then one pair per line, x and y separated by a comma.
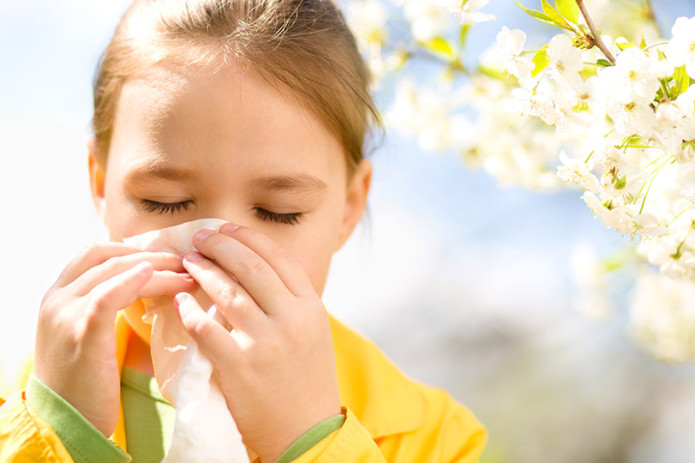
x,y
316,266
324,241
314,252
123,218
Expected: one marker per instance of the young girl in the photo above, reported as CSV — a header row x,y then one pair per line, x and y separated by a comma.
x,y
254,111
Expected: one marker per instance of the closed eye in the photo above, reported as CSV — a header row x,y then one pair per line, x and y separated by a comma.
x,y
166,208
288,218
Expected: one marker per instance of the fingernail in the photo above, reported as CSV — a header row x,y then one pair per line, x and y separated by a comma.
x,y
181,298
193,256
187,277
228,228
202,234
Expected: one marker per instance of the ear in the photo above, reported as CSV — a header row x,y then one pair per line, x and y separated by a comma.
x,y
97,175
355,200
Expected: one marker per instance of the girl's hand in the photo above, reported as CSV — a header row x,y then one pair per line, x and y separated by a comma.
x,y
276,367
75,342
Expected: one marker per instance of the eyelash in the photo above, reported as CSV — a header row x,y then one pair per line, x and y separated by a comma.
x,y
289,218
165,208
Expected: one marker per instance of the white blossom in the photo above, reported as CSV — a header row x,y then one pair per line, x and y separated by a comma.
x,y
565,59
681,48
634,79
538,103
577,172
468,10
506,54
428,18
685,128
367,19
632,118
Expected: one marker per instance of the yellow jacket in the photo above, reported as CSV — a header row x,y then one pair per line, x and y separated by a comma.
x,y
389,418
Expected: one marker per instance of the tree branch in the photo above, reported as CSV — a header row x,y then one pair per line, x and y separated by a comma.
x,y
597,38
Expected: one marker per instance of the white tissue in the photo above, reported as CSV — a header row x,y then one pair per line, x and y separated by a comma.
x,y
204,429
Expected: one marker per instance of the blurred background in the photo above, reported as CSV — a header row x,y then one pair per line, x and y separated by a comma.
x,y
463,283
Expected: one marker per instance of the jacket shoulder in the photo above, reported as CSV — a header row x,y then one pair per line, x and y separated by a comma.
x,y
387,402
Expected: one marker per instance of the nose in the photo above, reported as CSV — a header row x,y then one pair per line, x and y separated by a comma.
x,y
226,212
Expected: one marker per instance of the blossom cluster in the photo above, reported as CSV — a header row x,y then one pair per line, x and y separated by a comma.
x,y
451,114
612,117
631,132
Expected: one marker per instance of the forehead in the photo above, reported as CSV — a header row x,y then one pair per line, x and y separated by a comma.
x,y
233,114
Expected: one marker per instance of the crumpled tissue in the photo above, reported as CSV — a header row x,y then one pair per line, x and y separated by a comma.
x,y
204,429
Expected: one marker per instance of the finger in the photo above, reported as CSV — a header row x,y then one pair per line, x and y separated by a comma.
x,y
160,261
114,294
285,266
214,340
89,257
252,271
166,283
230,298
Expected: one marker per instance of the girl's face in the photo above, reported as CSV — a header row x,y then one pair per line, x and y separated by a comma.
x,y
188,145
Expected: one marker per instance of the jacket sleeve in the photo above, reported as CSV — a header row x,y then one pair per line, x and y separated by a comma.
x,y
81,439
25,436
351,443
449,433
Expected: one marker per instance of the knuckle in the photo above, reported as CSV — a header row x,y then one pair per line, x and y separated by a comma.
x,y
165,258
98,302
199,327
252,265
91,249
230,295
281,253
112,263
53,305
47,301
87,252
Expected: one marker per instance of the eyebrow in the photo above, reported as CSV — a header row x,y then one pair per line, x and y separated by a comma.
x,y
157,171
300,182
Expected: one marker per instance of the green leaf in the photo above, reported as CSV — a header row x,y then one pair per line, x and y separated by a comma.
x,y
540,16
624,45
554,15
604,63
619,182
498,75
463,35
440,46
540,61
682,79
643,43
569,9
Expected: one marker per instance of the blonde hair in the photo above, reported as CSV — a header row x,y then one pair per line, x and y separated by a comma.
x,y
303,45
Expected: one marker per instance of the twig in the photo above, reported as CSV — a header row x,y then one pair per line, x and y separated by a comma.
x,y
597,38
650,10
651,14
